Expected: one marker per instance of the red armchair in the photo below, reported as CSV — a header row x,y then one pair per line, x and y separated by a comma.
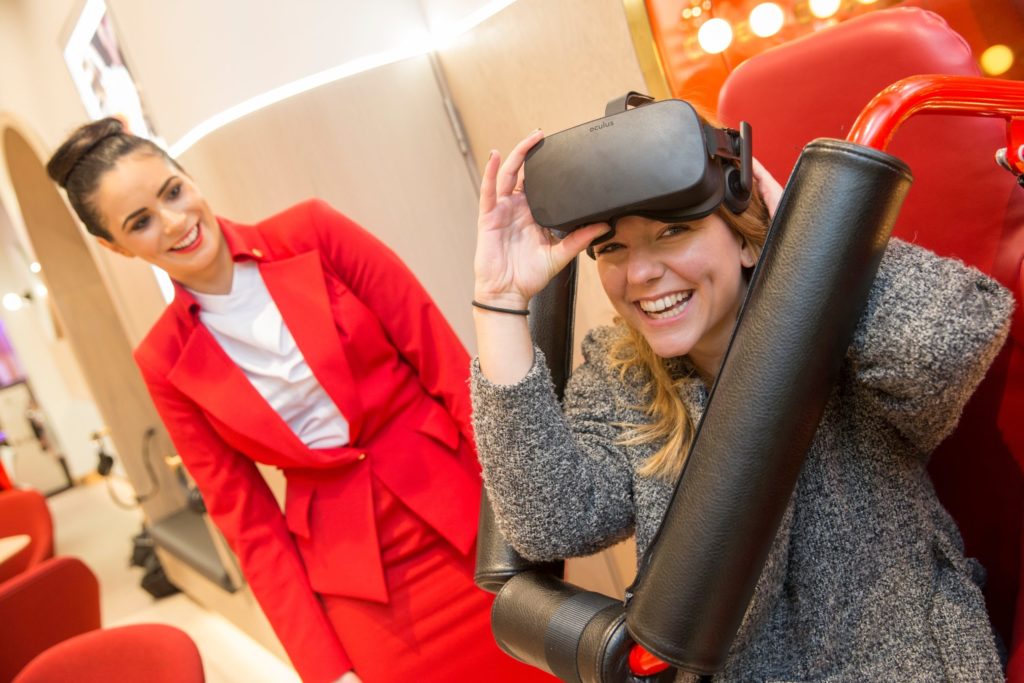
x,y
961,204
25,512
44,605
154,653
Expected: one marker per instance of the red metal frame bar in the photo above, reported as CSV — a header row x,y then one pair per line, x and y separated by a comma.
x,y
936,94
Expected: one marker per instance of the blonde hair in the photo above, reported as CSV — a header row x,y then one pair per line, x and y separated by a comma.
x,y
670,423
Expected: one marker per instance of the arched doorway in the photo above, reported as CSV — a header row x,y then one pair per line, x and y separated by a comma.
x,y
91,320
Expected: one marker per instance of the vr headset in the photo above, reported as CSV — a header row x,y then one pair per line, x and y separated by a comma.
x,y
659,160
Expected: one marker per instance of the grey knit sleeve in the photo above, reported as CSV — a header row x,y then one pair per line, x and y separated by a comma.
x,y
559,485
931,328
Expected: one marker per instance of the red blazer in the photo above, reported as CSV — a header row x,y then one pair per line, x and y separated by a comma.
x,y
385,355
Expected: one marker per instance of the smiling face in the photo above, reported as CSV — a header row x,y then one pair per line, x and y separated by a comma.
x,y
679,284
154,211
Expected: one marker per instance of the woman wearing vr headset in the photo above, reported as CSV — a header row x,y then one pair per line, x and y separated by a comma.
x,y
866,579
303,343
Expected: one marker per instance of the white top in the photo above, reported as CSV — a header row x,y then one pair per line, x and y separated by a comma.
x,y
248,326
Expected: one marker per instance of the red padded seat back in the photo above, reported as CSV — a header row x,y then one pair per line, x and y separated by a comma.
x,y
154,653
961,204
46,604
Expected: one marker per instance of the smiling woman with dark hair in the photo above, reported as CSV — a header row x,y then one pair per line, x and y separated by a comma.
x,y
303,343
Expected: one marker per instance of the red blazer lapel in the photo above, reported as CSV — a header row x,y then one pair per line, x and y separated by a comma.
x,y
299,289
206,375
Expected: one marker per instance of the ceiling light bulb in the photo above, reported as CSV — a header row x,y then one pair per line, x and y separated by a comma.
x,y
823,9
35,267
766,19
13,302
996,60
714,36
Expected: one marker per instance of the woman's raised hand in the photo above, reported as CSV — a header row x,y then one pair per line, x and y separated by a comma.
x,y
771,191
515,257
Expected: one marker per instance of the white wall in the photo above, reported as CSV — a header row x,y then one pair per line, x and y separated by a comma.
x,y
196,58
192,58
34,82
440,14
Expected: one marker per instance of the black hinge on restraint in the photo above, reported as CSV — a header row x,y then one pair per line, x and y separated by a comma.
x,y
630,99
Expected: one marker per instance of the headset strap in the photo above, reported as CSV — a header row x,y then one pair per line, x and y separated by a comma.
x,y
728,143
630,99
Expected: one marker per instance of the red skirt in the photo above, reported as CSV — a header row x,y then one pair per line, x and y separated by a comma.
x,y
436,625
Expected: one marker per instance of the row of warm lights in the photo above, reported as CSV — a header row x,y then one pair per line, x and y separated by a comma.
x,y
696,10
15,302
766,19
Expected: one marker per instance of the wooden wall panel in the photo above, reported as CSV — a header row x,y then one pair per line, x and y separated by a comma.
x,y
550,64
543,63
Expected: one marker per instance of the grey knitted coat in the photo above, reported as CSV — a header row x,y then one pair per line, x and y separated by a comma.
x,y
866,580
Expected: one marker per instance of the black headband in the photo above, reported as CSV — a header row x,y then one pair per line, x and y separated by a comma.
x,y
81,157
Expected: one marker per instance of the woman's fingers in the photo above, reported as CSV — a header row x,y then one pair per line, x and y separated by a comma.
x,y
488,195
509,172
576,241
520,180
770,189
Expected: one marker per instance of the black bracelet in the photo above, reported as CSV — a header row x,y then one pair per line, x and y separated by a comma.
x,y
512,311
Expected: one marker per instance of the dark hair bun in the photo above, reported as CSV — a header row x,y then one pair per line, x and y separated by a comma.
x,y
79,145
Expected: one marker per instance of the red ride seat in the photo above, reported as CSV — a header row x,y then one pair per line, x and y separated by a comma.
x,y
961,204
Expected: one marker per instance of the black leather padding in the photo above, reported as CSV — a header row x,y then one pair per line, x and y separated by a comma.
x,y
496,560
809,290
577,635
541,620
552,312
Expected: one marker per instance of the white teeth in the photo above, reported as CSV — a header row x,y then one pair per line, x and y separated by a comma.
x,y
190,237
664,303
